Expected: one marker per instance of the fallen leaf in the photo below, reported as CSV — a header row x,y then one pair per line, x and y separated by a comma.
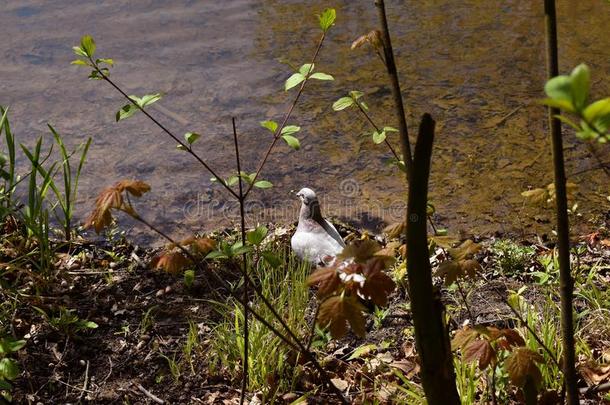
x,y
521,364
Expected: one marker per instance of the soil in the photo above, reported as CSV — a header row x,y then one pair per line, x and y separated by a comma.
x,y
143,313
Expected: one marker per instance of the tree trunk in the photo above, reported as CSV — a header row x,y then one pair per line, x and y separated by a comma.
x,y
431,334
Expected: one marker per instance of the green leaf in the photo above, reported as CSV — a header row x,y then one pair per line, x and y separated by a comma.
x,y
184,148
271,258
290,129
191,137
79,51
189,278
107,61
232,180
79,62
306,69
390,129
217,254
149,99
8,345
559,88
343,103
263,184
90,324
321,76
567,121
9,369
87,44
361,351
238,249
378,137
270,125
355,94
327,19
126,111
292,141
565,105
580,79
597,109
5,385
256,236
293,81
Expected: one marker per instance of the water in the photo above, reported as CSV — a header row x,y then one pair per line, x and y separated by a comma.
x,y
477,67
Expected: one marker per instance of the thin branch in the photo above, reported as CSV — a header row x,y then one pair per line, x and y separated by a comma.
x,y
279,129
186,147
244,381
368,118
561,205
396,93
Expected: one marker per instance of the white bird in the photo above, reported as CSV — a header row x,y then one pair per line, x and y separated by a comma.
x,y
315,239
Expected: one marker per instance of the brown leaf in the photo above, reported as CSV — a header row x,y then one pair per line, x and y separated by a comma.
x,y
403,251
203,246
512,338
480,350
377,285
593,373
172,262
466,249
395,230
536,196
327,279
389,250
335,313
452,270
360,250
521,364
373,38
134,187
101,217
463,337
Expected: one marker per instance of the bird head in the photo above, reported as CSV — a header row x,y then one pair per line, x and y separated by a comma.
x,y
307,196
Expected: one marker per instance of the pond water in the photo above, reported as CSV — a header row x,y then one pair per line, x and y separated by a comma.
x,y
477,67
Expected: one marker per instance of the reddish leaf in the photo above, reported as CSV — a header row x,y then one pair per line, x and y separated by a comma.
x,y
360,250
377,285
463,337
172,262
335,313
135,187
327,279
466,249
521,364
480,350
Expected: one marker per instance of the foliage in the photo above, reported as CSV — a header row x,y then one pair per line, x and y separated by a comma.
x,y
570,93
9,368
357,275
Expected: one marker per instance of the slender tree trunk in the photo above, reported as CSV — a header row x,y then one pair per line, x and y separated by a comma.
x,y
431,335
563,227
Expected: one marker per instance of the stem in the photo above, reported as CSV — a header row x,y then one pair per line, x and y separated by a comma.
x,y
459,286
278,131
396,93
431,334
563,227
368,118
244,380
164,129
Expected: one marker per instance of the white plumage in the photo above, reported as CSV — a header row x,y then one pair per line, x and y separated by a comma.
x,y
315,239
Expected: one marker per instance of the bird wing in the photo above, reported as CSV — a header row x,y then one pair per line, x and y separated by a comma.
x,y
330,229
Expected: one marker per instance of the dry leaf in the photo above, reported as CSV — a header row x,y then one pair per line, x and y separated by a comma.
x,y
360,250
396,230
327,279
172,262
521,364
335,312
463,337
466,249
593,373
377,285
480,350
373,38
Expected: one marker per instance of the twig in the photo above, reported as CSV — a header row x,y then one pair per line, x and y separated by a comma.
x,y
85,383
368,118
149,394
595,388
396,93
244,380
461,291
561,205
278,131
186,147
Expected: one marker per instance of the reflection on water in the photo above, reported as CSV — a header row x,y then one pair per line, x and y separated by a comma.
x,y
477,67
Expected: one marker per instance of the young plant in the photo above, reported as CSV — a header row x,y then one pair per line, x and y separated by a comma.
x,y
9,368
7,166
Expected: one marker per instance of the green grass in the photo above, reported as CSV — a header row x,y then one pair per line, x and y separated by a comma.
x,y
285,286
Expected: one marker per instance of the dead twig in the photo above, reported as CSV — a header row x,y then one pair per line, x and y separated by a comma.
x,y
149,394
